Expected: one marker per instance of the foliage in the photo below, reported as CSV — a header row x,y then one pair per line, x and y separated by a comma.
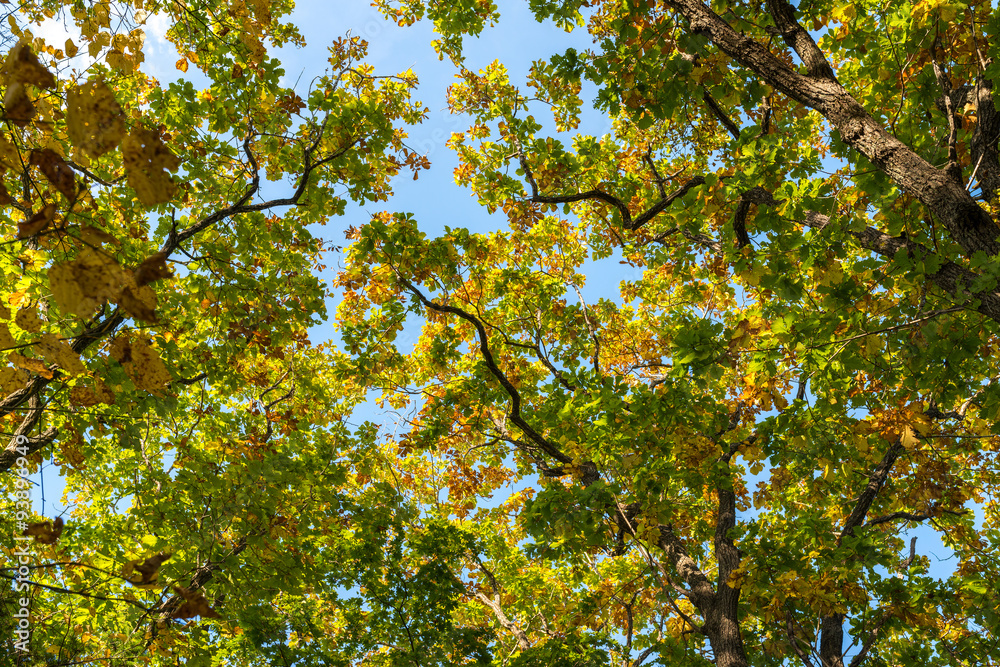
x,y
723,464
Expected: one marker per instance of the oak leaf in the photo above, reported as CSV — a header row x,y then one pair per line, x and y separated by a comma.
x,y
45,532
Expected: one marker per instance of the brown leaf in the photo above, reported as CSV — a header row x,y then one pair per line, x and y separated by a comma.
x,y
96,235
141,305
148,569
86,397
94,119
56,171
45,532
151,269
194,604
37,222
23,66
5,198
18,108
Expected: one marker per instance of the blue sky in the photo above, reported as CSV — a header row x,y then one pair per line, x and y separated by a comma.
x,y
434,199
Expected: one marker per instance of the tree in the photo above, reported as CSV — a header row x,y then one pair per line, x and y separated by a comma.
x,y
724,465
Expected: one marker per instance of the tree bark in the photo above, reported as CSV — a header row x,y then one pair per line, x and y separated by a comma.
x,y
969,225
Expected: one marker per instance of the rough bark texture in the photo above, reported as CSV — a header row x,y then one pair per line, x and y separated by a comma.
x,y
969,225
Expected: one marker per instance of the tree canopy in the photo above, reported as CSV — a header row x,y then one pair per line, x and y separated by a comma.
x,y
737,460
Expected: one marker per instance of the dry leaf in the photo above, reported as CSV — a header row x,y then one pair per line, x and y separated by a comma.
x,y
12,379
86,397
31,365
45,532
56,171
37,222
151,269
27,319
139,302
6,340
142,364
23,66
96,235
94,119
9,155
18,108
71,454
5,198
81,285
56,351
194,604
148,569
147,160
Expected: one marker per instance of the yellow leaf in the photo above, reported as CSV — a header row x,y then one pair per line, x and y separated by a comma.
x,y
9,155
94,120
71,49
12,379
22,66
27,319
182,64
56,351
909,438
147,160
31,365
142,364
6,340
86,397
81,285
